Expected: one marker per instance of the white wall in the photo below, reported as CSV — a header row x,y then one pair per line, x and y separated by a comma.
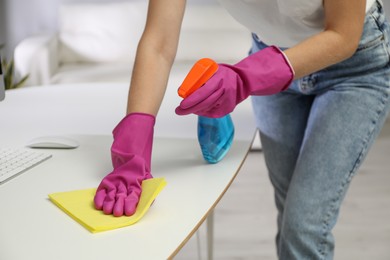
x,y
26,17
22,18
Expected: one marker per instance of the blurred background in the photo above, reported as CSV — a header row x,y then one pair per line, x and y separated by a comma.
x,y
23,18
241,231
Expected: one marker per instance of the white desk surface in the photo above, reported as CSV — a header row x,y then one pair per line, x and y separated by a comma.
x,y
31,227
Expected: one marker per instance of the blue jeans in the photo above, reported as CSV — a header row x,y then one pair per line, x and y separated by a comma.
x,y
315,136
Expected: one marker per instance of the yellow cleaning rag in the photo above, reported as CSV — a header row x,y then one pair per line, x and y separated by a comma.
x,y
79,205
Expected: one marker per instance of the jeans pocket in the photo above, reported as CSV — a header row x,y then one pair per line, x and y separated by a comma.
x,y
372,43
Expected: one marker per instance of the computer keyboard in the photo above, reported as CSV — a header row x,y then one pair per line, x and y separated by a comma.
x,y
14,161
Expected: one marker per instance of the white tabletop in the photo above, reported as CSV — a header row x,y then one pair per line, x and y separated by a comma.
x,y
31,227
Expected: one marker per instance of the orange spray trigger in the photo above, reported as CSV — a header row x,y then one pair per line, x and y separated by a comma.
x,y
202,71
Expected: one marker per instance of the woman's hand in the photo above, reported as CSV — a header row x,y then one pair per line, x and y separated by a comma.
x,y
120,191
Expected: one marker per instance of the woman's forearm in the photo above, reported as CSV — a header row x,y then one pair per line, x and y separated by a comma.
x,y
155,55
344,21
319,52
148,82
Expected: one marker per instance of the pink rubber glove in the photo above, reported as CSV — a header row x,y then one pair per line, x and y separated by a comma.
x,y
119,192
265,72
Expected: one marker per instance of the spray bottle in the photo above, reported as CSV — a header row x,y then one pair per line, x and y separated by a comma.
x,y
215,135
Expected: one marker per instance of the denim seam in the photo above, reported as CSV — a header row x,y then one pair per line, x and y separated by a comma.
x,y
344,184
380,110
384,32
376,41
373,43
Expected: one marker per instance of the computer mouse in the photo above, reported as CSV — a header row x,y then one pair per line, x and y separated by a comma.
x,y
53,142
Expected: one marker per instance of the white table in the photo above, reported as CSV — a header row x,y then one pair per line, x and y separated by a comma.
x,y
31,227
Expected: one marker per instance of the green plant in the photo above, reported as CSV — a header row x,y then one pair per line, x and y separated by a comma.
x,y
9,71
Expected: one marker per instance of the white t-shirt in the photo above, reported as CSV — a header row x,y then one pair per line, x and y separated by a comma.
x,y
280,22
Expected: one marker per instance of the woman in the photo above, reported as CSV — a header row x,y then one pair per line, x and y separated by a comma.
x,y
320,98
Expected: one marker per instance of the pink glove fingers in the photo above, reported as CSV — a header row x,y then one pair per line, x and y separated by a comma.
x,y
190,105
109,201
102,194
119,200
202,94
131,203
99,199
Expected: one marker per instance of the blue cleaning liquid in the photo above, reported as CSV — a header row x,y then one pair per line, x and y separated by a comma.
x,y
215,136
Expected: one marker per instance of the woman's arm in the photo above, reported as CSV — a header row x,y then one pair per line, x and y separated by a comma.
x,y
155,55
344,21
